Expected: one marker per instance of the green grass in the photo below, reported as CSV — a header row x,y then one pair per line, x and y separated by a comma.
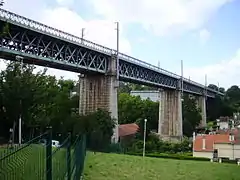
x,y
125,167
30,163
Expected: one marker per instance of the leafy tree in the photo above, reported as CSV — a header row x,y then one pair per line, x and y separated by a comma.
x,y
191,115
130,108
41,100
99,129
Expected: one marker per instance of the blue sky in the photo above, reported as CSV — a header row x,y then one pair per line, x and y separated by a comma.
x,y
203,33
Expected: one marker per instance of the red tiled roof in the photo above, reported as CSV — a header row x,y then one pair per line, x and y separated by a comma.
x,y
127,129
228,131
210,139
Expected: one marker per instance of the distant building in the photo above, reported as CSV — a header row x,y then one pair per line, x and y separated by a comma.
x,y
127,129
217,146
152,95
224,123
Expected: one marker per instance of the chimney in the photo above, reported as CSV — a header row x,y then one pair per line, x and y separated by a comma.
x,y
203,142
194,136
231,137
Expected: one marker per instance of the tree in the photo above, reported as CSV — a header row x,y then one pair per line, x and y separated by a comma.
x,y
191,115
130,108
98,126
41,100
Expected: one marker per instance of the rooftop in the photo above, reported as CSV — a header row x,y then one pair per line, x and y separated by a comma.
x,y
127,129
211,139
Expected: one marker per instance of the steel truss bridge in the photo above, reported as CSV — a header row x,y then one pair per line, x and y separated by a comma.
x,y
46,46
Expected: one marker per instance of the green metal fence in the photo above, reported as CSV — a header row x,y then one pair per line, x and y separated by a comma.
x,y
39,159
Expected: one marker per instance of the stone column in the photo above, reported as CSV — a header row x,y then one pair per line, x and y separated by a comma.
x,y
99,91
170,115
113,85
201,103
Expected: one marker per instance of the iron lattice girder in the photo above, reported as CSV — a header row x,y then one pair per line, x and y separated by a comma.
x,y
34,46
151,77
137,73
50,46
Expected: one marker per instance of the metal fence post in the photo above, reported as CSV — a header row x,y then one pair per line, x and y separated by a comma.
x,y
49,155
82,154
77,159
69,157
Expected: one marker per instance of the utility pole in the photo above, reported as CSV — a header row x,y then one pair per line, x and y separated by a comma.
x,y
159,65
182,78
117,66
19,58
144,138
83,29
206,86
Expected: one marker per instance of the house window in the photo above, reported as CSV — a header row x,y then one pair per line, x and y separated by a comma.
x,y
215,153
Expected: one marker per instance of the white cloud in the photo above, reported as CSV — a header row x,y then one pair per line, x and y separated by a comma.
x,y
204,35
99,31
226,72
65,2
160,16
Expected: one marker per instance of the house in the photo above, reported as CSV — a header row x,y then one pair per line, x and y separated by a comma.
x,y
224,145
127,129
127,132
224,123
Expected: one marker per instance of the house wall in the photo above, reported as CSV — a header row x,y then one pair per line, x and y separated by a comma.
x,y
203,154
230,151
223,125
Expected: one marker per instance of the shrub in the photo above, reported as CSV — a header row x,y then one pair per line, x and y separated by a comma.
x,y
154,144
171,156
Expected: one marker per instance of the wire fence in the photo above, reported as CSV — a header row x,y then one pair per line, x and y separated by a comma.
x,y
42,158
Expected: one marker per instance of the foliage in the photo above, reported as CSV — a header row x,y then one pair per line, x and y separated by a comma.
x,y
98,127
171,156
191,115
132,109
154,144
224,106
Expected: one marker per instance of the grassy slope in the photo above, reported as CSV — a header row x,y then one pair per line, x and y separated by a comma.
x,y
123,167
30,162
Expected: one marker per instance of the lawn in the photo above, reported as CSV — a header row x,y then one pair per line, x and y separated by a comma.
x,y
125,167
30,163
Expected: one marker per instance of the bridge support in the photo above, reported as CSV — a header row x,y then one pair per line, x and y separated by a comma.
x,y
201,103
98,91
170,115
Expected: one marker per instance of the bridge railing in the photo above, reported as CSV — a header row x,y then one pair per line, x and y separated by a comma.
x,y
37,26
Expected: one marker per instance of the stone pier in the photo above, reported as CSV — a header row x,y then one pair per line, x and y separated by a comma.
x,y
170,115
99,91
201,103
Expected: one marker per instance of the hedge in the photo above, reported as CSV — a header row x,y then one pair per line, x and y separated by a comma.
x,y
179,157
170,156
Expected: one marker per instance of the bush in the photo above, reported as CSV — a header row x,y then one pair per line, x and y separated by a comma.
x,y
171,156
154,144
